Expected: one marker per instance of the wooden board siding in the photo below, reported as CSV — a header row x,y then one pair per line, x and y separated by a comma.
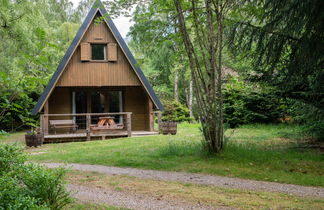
x,y
98,73
135,101
60,101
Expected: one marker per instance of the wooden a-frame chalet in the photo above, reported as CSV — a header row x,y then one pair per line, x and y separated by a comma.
x,y
98,90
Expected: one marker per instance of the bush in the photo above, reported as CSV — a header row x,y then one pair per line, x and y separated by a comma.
x,y
245,104
310,117
175,111
29,186
13,195
11,158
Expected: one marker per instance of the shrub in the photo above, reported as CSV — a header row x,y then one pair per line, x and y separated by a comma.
x,y
13,195
11,158
29,186
175,111
246,103
310,117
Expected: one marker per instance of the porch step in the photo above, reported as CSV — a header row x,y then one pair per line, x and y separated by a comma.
x,y
144,133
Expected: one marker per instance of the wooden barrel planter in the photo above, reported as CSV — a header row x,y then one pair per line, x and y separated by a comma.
x,y
34,140
168,128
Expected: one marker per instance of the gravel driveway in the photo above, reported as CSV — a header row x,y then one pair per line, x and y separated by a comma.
x,y
131,200
219,181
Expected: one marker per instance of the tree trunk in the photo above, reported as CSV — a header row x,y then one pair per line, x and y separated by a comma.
x,y
190,99
176,84
204,56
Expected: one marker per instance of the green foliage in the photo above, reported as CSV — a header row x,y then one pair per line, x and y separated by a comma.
x,y
46,185
33,37
246,103
157,45
285,40
29,186
175,111
310,117
11,158
13,196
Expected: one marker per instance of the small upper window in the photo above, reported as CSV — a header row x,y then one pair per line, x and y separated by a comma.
x,y
98,51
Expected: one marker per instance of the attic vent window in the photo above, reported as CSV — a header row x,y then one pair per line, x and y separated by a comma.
x,y
98,51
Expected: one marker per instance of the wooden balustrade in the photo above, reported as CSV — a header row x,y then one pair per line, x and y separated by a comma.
x,y
44,121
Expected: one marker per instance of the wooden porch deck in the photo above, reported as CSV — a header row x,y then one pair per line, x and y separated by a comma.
x,y
69,137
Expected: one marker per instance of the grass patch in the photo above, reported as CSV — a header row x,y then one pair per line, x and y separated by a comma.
x,y
260,152
194,193
18,138
91,206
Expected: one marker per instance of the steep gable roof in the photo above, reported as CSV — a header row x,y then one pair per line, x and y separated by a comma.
x,y
97,7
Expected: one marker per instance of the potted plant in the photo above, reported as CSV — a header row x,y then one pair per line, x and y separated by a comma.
x,y
34,138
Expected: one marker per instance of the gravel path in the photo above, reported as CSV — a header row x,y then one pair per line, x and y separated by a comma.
x,y
219,181
130,200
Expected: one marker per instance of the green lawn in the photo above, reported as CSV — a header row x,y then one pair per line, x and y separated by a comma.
x,y
260,152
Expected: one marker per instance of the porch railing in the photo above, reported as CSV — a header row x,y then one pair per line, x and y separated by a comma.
x,y
84,123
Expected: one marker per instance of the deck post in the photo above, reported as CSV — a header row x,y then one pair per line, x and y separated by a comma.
x,y
129,125
41,123
159,121
150,114
88,119
45,118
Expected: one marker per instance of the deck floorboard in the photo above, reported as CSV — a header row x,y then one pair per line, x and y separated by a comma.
x,y
114,134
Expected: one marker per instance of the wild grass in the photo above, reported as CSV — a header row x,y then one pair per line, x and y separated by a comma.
x,y
260,152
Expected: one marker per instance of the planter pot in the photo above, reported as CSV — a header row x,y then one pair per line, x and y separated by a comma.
x,y
168,128
34,140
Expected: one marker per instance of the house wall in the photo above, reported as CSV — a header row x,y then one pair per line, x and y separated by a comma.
x,y
135,100
60,101
98,73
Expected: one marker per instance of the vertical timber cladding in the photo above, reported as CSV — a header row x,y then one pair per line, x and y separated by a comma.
x,y
60,101
115,71
136,101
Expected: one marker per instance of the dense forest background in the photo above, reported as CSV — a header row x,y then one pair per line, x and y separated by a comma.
x,y
272,59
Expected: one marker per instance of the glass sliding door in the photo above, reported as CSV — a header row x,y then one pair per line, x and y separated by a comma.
x,y
79,105
115,101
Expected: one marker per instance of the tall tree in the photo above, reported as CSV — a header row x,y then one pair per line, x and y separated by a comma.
x,y
158,46
286,38
201,24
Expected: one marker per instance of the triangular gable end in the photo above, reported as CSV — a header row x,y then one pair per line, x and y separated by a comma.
x,y
97,7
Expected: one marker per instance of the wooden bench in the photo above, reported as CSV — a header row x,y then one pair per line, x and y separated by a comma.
x,y
55,124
